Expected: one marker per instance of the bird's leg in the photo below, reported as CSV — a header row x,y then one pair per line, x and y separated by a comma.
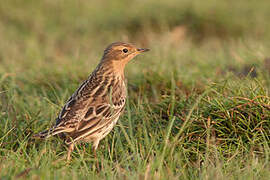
x,y
95,145
70,149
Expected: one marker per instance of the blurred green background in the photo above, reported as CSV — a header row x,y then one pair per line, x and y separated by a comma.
x,y
198,101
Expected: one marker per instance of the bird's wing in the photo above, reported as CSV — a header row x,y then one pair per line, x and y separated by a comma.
x,y
77,104
97,117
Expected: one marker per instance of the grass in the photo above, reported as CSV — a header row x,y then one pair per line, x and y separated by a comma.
x,y
198,106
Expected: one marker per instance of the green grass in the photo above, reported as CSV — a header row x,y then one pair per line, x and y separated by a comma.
x,y
198,105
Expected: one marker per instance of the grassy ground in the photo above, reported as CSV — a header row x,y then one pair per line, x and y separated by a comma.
x,y
198,106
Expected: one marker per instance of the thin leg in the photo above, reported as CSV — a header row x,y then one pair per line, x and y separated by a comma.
x,y
70,149
95,146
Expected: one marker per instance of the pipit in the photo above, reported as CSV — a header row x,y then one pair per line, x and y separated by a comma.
x,y
93,110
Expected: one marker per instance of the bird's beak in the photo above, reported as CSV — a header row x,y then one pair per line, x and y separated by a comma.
x,y
140,50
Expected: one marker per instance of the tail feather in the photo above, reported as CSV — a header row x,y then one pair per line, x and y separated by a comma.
x,y
48,133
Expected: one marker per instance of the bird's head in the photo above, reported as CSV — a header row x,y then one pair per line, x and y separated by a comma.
x,y
119,54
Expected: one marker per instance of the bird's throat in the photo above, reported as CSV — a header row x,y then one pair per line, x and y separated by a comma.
x,y
119,67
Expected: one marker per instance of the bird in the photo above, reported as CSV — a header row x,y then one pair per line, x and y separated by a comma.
x,y
95,107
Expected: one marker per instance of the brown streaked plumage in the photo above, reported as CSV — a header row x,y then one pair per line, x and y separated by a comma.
x,y
93,110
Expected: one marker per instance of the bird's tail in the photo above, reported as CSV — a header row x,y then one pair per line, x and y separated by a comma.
x,y
48,133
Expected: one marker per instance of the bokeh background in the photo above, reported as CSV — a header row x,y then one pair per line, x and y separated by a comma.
x,y
198,101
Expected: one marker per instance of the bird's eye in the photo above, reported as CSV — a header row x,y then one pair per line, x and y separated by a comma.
x,y
125,50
